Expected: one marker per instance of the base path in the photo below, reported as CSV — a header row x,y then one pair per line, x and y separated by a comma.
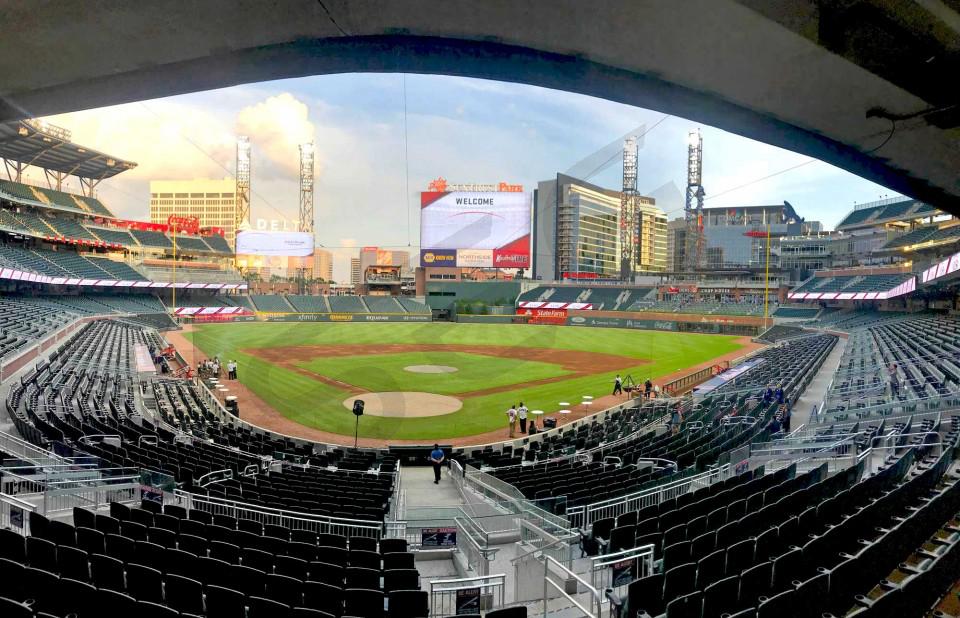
x,y
257,412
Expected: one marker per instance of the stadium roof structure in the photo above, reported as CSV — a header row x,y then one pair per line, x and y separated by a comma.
x,y
34,142
886,211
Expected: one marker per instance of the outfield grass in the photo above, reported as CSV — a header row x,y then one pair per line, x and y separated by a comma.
x,y
312,403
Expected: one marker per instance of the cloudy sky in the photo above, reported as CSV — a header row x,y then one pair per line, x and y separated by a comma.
x,y
466,130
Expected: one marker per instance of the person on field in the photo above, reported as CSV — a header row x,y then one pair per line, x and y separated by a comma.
x,y
617,385
437,459
522,415
512,420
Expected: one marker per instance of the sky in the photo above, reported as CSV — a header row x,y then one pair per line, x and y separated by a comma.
x,y
381,138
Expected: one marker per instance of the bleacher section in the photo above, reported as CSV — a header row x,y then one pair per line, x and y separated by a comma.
x,y
922,348
69,228
190,243
52,198
117,270
382,304
705,435
895,211
853,283
271,303
413,306
217,243
346,304
65,263
22,322
796,312
151,239
113,235
308,304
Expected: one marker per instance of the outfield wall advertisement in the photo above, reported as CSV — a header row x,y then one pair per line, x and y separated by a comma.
x,y
347,317
481,229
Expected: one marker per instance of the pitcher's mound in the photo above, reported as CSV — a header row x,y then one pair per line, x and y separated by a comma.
x,y
405,404
430,369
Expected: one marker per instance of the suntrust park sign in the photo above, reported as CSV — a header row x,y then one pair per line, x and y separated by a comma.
x,y
440,184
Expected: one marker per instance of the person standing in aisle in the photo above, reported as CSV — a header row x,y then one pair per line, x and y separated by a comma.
x,y
617,385
522,415
437,459
512,420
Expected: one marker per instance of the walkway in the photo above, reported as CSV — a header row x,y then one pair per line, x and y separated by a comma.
x,y
817,389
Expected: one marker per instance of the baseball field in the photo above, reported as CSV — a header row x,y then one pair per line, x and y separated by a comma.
x,y
440,380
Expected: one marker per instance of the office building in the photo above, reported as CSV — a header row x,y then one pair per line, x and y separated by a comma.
x,y
355,271
576,231
318,266
211,201
676,244
736,236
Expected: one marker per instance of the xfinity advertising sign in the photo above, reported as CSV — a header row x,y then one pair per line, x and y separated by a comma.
x,y
485,229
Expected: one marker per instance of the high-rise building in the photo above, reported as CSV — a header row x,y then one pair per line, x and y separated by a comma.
x,y
318,266
322,265
676,244
355,271
375,256
651,253
212,201
576,231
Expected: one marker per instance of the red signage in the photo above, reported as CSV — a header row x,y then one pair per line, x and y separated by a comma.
x,y
579,276
190,225
545,316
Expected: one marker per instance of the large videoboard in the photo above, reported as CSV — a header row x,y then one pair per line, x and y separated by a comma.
x,y
475,229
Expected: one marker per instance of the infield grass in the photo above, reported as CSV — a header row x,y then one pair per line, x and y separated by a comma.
x,y
315,404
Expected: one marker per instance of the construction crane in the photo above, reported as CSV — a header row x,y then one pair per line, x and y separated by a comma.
x,y
693,208
628,209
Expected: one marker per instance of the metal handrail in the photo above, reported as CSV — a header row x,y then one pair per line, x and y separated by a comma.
x,y
548,583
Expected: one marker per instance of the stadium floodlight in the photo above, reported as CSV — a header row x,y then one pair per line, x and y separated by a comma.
x,y
693,138
305,223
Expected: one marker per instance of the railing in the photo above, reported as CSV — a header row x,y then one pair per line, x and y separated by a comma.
x,y
59,488
467,595
282,517
18,448
584,516
616,571
15,514
478,556
593,605
512,499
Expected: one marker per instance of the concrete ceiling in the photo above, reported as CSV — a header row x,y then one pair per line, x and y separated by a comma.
x,y
799,74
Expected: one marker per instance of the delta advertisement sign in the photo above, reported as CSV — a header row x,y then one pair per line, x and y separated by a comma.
x,y
489,229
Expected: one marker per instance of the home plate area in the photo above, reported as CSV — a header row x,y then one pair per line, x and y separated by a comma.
x,y
401,404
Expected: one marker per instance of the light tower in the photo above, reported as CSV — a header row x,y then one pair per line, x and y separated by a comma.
x,y
693,209
628,209
243,183
306,188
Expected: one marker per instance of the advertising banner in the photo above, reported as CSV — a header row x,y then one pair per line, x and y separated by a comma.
x,y
545,316
580,320
495,222
468,601
438,257
286,244
347,317
475,258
